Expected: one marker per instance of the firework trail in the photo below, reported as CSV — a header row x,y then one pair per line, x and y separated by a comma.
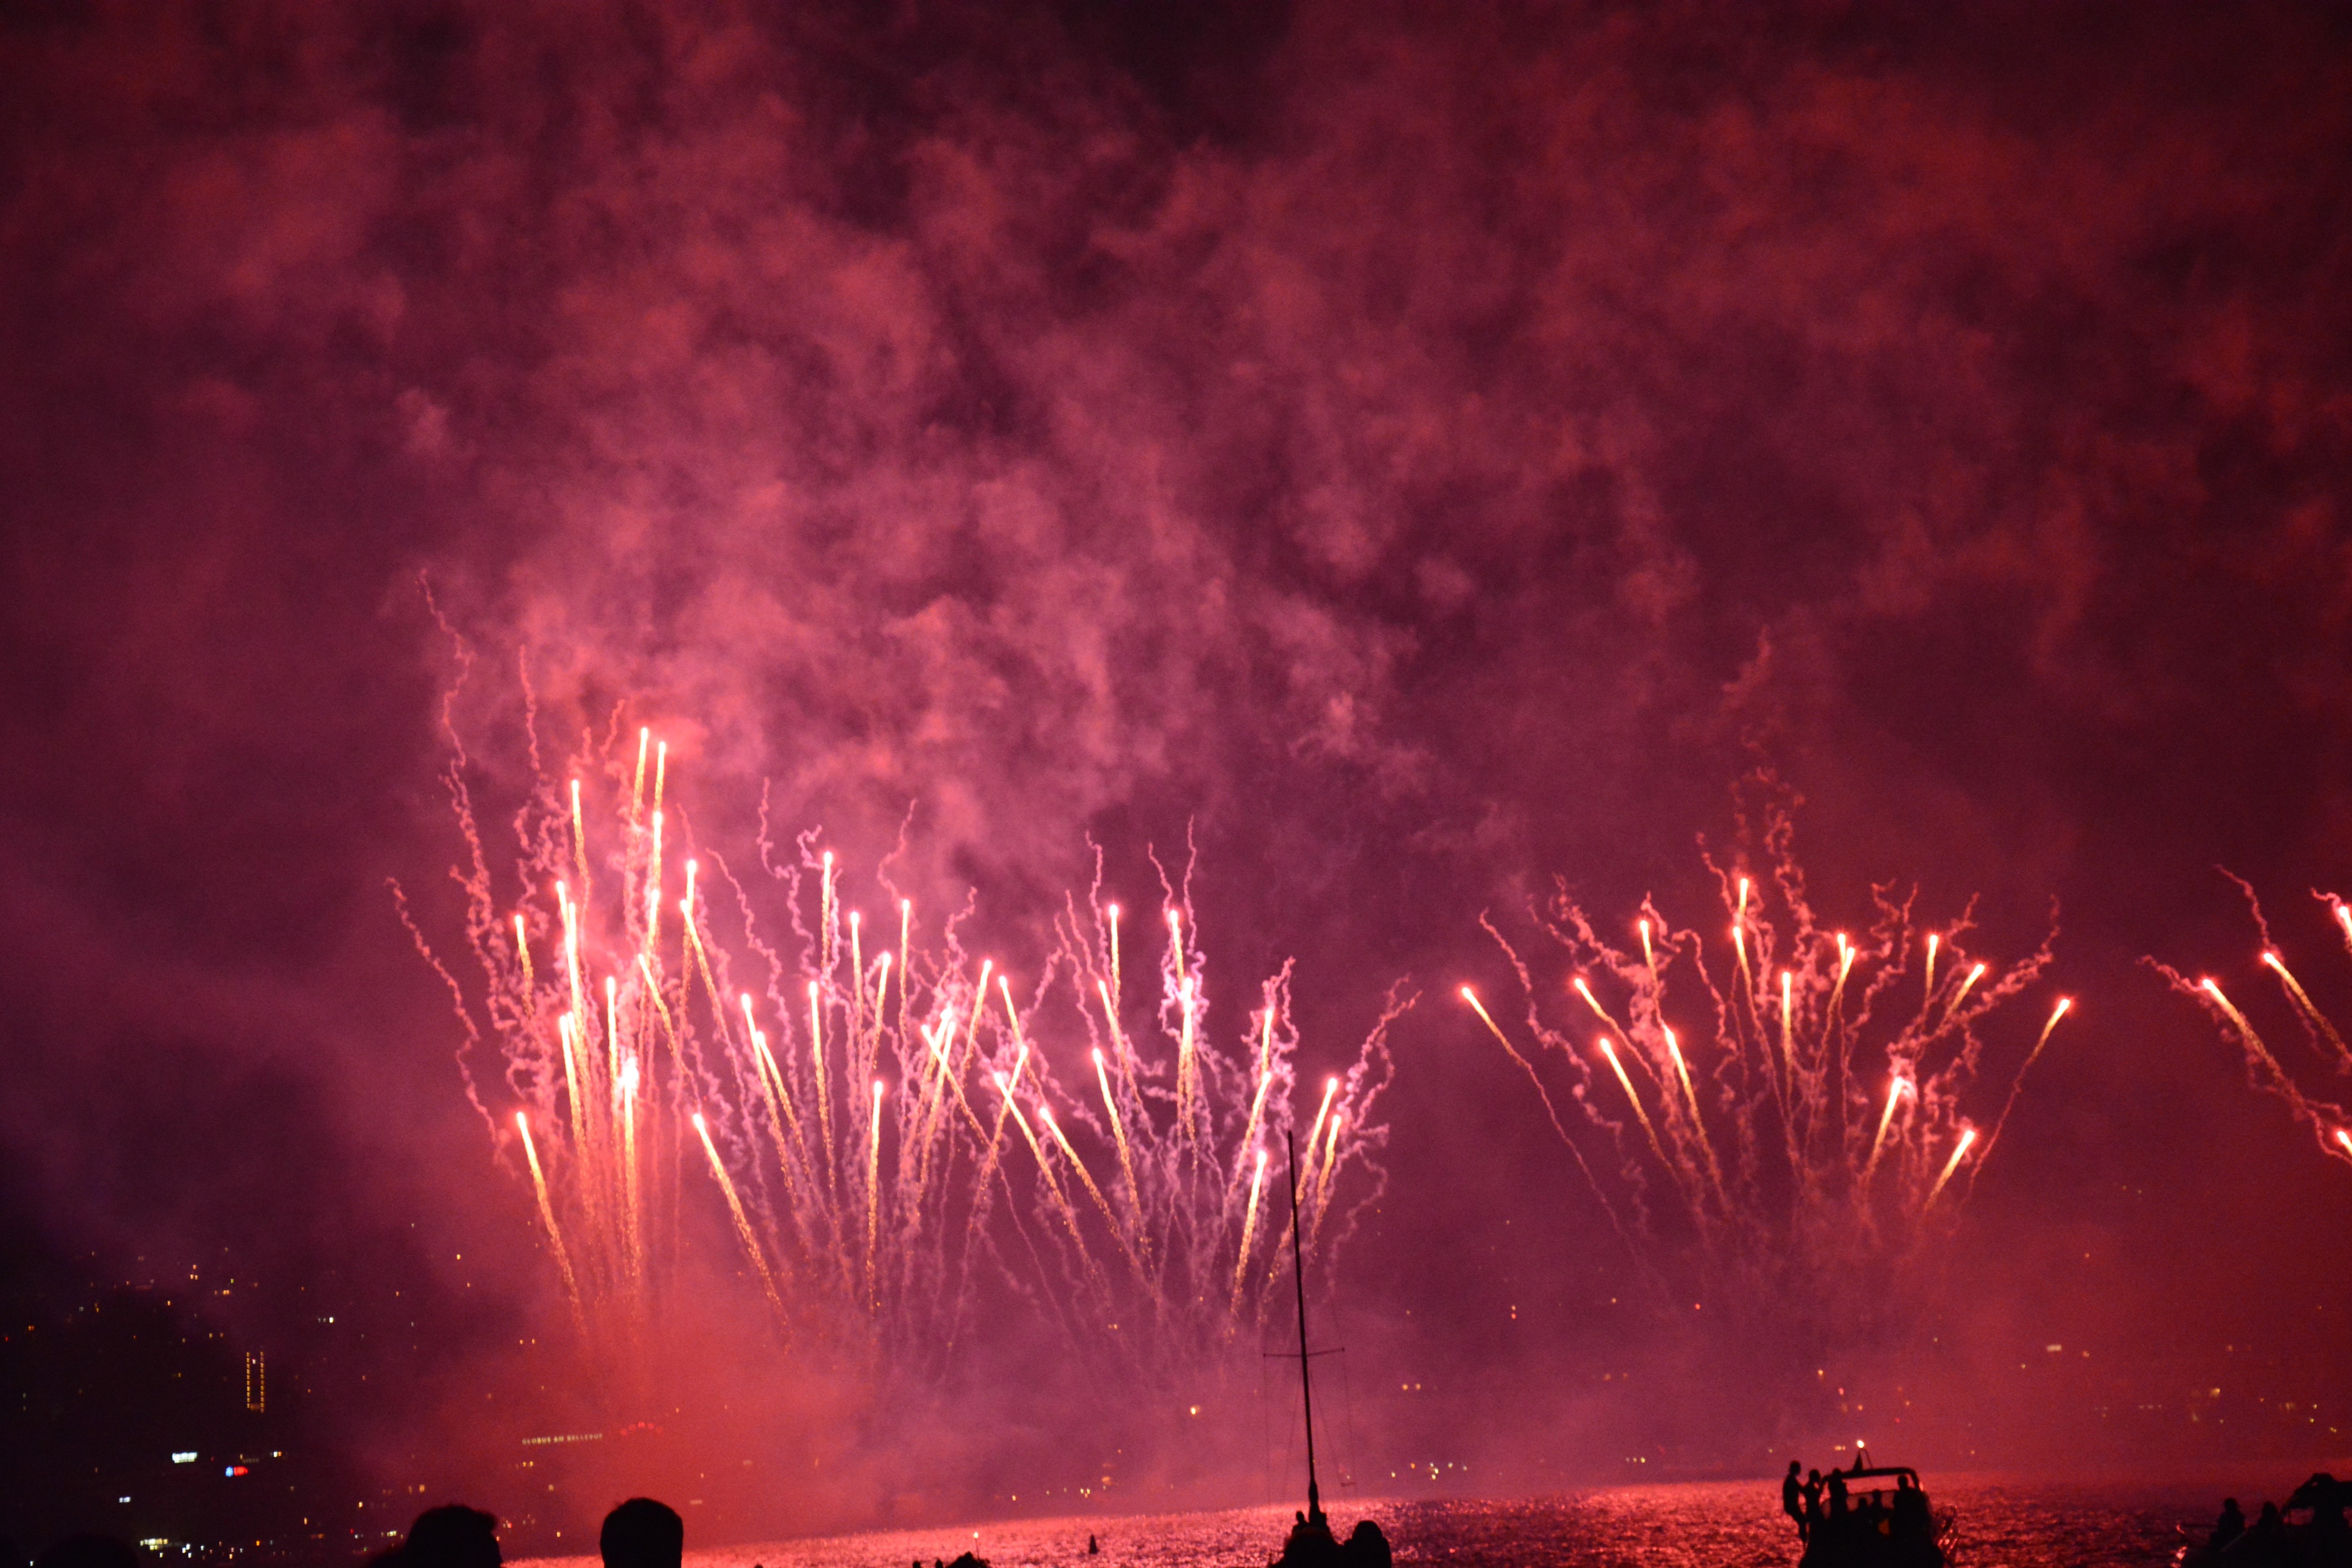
x,y
1776,1120
885,1127
2330,1120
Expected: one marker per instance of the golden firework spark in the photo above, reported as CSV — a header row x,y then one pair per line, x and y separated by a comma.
x,y
1249,1233
547,1217
1959,1152
743,1232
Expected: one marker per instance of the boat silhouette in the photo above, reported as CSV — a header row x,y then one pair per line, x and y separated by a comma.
x,y
1878,1518
1311,1543
2309,1531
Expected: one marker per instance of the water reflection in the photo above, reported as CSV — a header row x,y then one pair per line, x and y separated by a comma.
x,y
2003,1525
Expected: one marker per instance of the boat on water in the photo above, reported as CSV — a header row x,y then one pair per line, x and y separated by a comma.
x,y
2309,1531
1311,1543
1878,1516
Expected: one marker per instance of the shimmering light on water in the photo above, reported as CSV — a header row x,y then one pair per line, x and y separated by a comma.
x,y
2002,1524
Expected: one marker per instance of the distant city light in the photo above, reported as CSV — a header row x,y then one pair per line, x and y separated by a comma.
x,y
234,1470
188,1458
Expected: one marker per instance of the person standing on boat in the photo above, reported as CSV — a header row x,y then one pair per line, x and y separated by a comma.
x,y
1912,1520
2267,1539
1792,1495
2228,1527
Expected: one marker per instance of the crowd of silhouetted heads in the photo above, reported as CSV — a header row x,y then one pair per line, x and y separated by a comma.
x,y
640,1533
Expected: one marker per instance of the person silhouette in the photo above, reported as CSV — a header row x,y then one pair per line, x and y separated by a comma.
x,y
1911,1521
1838,1507
2228,1527
1812,1522
452,1536
1792,1495
643,1534
1367,1547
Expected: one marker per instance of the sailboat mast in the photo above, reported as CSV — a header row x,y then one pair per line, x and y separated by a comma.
x,y
1298,1280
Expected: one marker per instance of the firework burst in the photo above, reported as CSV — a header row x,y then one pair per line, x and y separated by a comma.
x,y
2329,1119
1775,1116
902,1141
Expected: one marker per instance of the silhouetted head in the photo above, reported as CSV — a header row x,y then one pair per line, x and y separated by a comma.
x,y
642,1534
452,1536
1794,1465
1813,1476
89,1552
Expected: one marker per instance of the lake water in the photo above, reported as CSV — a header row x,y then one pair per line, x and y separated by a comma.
x,y
2002,1524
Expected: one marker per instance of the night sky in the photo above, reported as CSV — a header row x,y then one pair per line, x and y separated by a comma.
x,y
1418,452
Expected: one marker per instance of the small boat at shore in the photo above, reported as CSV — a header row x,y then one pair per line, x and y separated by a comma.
x,y
1311,1543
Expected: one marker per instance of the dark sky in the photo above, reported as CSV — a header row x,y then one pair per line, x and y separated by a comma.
x,y
1424,449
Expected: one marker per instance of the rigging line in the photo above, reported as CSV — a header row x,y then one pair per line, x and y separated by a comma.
x,y
1306,1383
